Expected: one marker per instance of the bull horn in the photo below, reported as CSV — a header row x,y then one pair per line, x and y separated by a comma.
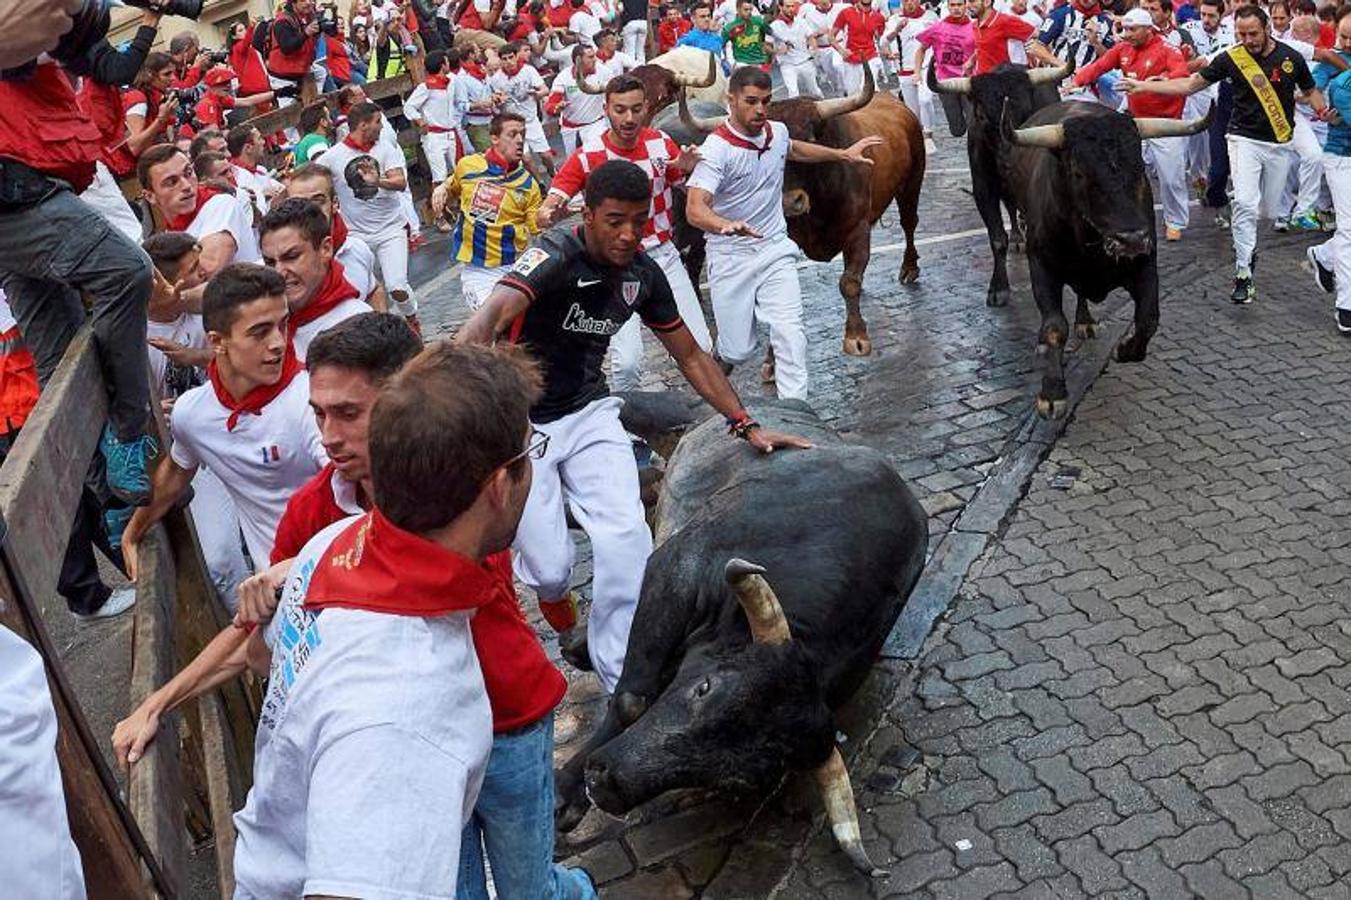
x,y
1048,76
837,795
683,80
948,85
697,123
588,89
1052,137
763,612
1157,128
841,105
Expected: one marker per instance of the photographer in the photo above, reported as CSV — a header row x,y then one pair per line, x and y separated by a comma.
x,y
151,108
295,41
31,27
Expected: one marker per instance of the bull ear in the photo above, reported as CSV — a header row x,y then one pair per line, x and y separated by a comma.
x,y
1006,125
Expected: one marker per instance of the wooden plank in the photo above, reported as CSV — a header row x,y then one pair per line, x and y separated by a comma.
x,y
43,475
154,785
289,117
225,789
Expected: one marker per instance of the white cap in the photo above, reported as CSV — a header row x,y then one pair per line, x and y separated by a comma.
x,y
1136,18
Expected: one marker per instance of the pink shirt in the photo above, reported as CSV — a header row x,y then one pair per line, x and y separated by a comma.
x,y
952,44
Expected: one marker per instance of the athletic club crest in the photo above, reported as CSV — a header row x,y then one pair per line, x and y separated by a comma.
x,y
629,290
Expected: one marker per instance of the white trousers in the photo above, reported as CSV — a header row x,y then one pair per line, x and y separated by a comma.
x,y
1198,145
1304,183
626,347
589,468
1335,254
760,285
635,40
106,197
439,148
1258,170
217,523
851,74
920,100
476,283
828,63
37,856
571,137
799,79
391,252
1166,161
536,141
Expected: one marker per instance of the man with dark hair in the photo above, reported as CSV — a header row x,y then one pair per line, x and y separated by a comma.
x,y
430,108
1265,75
296,242
665,165
251,424
736,196
376,713
472,99
316,124
211,166
314,183
221,221
580,115
496,198
247,149
523,87
208,140
370,176
564,299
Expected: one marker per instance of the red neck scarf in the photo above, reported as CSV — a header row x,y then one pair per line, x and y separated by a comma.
x,y
181,223
376,566
919,13
473,69
338,231
727,134
1090,8
601,55
243,164
254,401
334,289
438,82
352,142
958,19
512,72
496,159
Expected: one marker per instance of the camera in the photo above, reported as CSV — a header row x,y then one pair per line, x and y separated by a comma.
x,y
91,24
218,57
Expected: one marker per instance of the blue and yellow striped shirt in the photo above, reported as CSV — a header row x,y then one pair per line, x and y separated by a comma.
x,y
497,211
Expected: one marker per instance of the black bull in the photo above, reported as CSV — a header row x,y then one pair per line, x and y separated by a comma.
x,y
831,207
725,684
1074,172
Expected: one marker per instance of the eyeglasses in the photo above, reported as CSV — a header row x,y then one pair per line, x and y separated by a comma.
x,y
539,443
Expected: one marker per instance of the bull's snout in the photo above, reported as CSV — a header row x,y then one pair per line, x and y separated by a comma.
x,y
796,203
602,789
1127,244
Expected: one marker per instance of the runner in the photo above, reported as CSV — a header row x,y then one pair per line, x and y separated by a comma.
x,y
496,198
953,41
747,36
792,32
665,165
994,31
1265,75
735,195
431,109
314,183
247,151
904,28
296,242
580,115
220,221
522,88
855,34
474,101
316,124
369,176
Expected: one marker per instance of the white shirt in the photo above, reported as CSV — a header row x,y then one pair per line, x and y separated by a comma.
x,y
792,40
747,186
379,214
371,747
822,22
258,183
467,89
37,856
262,462
434,107
908,30
306,333
171,379
584,25
234,216
358,264
578,108
519,89
617,64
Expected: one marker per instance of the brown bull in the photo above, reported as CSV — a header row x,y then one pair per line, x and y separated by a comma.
x,y
665,75
832,207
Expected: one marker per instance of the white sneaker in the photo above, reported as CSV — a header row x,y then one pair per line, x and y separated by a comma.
x,y
929,146
117,603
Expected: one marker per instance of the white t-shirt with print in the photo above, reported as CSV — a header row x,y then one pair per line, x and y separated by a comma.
x,y
262,462
791,43
358,265
171,379
519,89
379,214
232,214
371,748
747,186
305,334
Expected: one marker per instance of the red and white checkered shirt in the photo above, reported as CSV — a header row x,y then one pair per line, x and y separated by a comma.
x,y
655,153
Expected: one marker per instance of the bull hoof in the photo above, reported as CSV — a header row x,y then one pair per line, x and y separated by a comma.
x,y
1052,409
1129,350
998,297
909,274
858,346
1086,330
572,646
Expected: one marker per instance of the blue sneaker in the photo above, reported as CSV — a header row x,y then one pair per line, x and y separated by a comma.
x,y
128,466
1306,222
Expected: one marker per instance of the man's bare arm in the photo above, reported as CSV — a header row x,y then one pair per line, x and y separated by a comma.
x,y
495,316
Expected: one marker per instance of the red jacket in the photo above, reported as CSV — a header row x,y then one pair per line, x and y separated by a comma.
x,y
1155,59
296,63
669,32
339,63
43,126
248,64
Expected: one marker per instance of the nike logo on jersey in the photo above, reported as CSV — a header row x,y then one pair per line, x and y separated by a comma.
x,y
578,321
587,282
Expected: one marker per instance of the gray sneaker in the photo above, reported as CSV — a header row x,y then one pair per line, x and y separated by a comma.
x,y
118,602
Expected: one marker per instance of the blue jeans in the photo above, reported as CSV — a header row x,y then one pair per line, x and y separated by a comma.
x,y
514,821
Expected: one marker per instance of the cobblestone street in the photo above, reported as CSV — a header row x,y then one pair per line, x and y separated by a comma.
x,y
1140,687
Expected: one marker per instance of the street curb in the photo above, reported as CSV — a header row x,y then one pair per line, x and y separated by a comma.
x,y
987,511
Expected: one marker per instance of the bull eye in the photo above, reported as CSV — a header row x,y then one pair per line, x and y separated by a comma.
x,y
702,688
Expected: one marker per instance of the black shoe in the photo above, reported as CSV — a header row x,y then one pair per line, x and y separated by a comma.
x,y
1243,291
1324,277
1344,321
